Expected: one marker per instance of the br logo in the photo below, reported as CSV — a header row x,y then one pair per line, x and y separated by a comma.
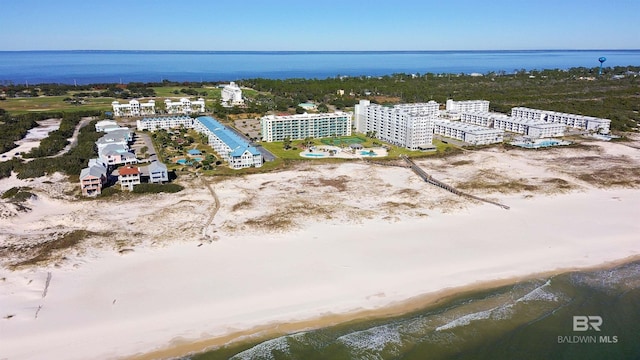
x,y
585,323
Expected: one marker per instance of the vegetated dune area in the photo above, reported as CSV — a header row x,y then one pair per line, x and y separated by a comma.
x,y
166,274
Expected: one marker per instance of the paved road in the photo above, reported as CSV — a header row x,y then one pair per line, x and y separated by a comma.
x,y
141,140
265,153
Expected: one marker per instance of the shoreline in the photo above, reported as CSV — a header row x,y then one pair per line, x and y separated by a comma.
x,y
181,348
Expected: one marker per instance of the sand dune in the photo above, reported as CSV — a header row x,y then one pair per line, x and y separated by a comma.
x,y
298,245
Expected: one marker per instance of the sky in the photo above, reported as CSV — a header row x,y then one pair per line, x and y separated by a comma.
x,y
319,25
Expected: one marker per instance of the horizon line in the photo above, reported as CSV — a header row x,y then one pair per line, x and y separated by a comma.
x,y
313,51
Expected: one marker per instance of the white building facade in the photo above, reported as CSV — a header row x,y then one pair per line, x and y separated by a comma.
x,y
467,106
184,106
528,127
164,122
472,134
405,125
571,120
133,108
481,118
300,126
232,94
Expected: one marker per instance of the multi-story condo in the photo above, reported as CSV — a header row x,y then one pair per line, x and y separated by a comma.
x,y
406,125
231,147
133,108
571,120
165,122
483,118
300,126
472,134
528,127
232,94
467,106
184,106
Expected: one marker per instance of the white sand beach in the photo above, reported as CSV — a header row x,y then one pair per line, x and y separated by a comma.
x,y
299,246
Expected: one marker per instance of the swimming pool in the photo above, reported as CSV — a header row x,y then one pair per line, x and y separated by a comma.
x,y
540,143
181,162
313,155
368,153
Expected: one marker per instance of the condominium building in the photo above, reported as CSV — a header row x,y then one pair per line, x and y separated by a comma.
x,y
133,108
232,94
481,118
406,125
229,145
184,106
571,120
472,134
164,122
300,126
528,127
467,106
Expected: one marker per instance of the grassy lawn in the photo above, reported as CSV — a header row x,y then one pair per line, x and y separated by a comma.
x,y
53,103
168,92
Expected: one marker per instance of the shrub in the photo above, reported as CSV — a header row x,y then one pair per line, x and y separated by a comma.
x,y
157,188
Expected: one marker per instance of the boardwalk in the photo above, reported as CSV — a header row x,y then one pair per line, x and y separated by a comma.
x,y
428,178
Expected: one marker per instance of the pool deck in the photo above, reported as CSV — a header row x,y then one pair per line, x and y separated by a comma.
x,y
346,153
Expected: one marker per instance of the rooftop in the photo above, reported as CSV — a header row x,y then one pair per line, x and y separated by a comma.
x,y
129,170
237,144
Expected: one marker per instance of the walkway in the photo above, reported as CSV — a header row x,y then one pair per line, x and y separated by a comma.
x,y
215,210
428,178
73,141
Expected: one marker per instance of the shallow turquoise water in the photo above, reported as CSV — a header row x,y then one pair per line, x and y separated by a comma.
x,y
528,320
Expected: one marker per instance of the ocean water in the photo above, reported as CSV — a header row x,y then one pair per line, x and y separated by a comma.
x,y
528,320
84,67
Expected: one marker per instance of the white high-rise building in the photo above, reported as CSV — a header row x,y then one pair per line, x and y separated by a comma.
x,y
571,120
184,106
232,94
467,106
300,126
133,108
406,125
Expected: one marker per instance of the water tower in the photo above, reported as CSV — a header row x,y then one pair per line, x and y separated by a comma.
x,y
602,60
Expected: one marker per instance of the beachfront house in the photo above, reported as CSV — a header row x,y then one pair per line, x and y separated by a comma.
x,y
158,172
128,176
92,179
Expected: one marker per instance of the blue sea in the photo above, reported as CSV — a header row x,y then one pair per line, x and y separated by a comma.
x,y
533,319
85,67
